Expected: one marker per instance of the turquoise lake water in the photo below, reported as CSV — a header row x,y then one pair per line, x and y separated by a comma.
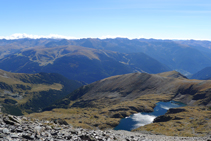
x,y
140,119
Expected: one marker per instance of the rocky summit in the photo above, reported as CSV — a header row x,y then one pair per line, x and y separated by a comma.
x,y
19,128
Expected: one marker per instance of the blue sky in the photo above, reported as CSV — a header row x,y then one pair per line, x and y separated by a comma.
x,y
160,19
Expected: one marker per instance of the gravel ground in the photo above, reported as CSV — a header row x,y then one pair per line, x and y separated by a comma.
x,y
150,137
19,128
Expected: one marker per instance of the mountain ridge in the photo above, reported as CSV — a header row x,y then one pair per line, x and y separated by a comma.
x,y
133,85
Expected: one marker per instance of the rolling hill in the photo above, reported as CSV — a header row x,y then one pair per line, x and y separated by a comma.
x,y
26,93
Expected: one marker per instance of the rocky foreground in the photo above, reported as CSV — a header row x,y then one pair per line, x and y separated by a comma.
x,y
19,128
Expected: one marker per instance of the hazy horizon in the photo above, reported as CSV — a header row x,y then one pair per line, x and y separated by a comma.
x,y
56,36
158,19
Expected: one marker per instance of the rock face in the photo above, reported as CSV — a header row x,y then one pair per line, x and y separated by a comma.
x,y
175,110
162,118
24,129
60,121
12,120
166,117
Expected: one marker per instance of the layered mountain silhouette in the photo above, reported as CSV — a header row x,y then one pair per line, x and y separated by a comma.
x,y
185,56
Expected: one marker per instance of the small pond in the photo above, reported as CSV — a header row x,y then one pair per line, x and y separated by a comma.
x,y
140,119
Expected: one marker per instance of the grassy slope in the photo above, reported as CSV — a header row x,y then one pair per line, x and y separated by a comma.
x,y
104,117
193,121
32,92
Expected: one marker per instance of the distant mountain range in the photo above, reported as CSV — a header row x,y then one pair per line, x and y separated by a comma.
x,y
178,55
79,63
89,60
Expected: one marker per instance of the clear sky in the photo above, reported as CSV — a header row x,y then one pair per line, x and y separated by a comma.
x,y
161,19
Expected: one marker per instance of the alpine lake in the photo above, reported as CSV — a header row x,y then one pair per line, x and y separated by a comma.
x,y
140,119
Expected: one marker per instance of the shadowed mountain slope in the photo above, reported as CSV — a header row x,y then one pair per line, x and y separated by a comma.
x,y
25,93
203,74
